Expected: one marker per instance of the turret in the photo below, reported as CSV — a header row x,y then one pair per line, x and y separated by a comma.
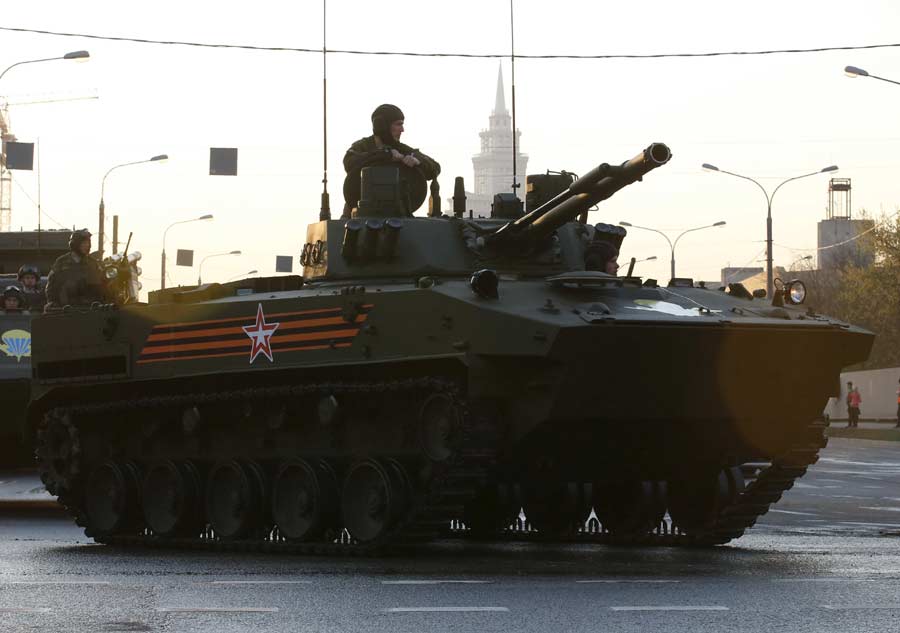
x,y
598,184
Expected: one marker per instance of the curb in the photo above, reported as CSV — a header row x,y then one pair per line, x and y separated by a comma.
x,y
47,505
882,435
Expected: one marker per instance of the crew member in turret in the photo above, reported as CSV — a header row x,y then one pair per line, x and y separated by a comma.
x,y
382,148
13,300
76,278
30,277
603,256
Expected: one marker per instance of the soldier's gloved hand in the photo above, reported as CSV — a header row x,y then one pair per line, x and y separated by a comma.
x,y
410,161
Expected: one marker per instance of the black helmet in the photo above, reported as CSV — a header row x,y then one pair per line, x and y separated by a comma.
x,y
28,269
77,238
598,254
382,117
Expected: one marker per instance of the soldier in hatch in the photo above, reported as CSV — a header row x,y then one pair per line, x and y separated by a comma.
x,y
30,277
603,256
76,278
382,148
13,301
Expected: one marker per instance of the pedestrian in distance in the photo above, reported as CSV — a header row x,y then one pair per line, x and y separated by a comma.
x,y
898,404
847,402
855,400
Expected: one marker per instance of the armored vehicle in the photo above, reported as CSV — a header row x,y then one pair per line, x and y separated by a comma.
x,y
38,249
435,371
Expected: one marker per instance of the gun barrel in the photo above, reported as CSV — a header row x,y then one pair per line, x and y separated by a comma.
x,y
598,184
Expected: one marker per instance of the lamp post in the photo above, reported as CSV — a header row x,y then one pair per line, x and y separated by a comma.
x,y
208,216
246,274
102,219
769,198
200,272
853,72
672,244
73,55
78,55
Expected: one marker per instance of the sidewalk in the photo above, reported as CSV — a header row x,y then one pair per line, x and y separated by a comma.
x,y
867,430
23,489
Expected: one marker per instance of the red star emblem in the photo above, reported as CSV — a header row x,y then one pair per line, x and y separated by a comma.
x,y
261,335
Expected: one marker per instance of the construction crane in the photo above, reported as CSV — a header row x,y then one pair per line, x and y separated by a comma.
x,y
6,135
5,176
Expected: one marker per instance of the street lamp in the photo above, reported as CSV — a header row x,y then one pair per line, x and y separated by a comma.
x,y
200,272
102,220
769,198
672,244
208,216
73,55
246,274
853,72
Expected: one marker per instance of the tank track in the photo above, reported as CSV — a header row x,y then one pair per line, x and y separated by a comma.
x,y
764,484
431,510
765,481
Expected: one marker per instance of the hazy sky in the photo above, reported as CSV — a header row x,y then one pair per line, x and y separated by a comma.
x,y
768,117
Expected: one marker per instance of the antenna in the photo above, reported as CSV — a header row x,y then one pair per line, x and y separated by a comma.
x,y
325,211
39,191
512,42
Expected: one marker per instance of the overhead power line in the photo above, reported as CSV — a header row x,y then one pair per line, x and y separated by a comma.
x,y
319,50
884,221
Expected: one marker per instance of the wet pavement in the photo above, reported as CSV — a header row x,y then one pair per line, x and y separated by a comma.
x,y
827,558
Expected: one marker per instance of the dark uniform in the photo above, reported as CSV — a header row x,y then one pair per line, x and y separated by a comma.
x,y
376,150
76,279
34,297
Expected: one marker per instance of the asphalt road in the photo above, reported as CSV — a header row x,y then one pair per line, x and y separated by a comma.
x,y
827,560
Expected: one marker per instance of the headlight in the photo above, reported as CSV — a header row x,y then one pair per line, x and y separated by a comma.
x,y
795,292
111,272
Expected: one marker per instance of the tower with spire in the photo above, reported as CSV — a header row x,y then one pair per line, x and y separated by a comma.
x,y
493,166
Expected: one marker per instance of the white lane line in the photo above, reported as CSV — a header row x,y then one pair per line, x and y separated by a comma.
x,y
627,582
217,610
436,582
860,607
24,610
260,582
55,582
672,608
827,579
446,610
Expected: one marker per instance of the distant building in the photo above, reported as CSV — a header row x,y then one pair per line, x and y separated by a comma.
x,y
733,274
753,278
493,165
837,243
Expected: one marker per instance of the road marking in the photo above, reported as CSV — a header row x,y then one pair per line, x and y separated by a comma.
x,y
672,608
825,579
859,607
24,610
217,610
260,582
56,582
436,582
446,610
627,582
